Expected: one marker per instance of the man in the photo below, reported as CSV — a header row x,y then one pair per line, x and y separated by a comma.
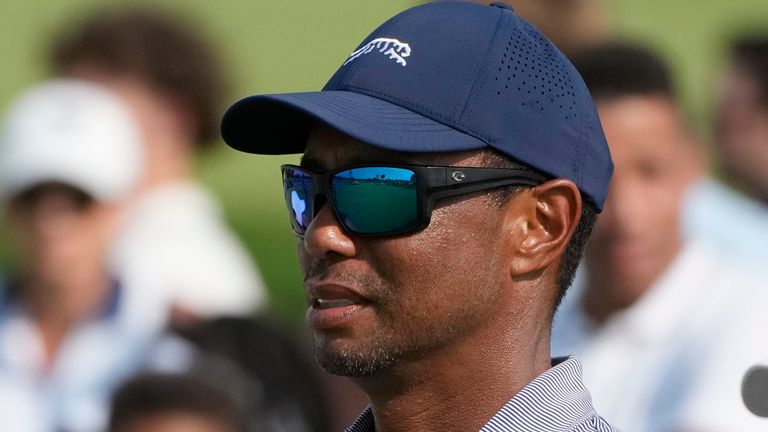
x,y
741,123
652,307
452,169
173,239
741,140
69,154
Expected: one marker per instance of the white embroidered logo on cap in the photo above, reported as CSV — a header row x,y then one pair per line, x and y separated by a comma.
x,y
396,50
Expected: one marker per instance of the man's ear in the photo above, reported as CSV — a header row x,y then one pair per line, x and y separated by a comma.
x,y
540,223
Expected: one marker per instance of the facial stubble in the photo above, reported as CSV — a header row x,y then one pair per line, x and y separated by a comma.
x,y
390,344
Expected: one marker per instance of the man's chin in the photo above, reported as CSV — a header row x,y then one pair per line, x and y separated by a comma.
x,y
350,363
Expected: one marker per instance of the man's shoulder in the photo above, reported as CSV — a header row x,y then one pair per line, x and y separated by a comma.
x,y
593,423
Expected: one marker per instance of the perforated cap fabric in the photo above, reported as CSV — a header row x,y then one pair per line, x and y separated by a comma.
x,y
72,132
445,77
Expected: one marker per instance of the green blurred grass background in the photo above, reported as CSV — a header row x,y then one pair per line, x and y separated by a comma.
x,y
292,45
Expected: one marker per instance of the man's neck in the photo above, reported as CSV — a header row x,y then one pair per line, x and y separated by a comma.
x,y
460,388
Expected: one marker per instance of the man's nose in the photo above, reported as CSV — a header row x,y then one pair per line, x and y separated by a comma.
x,y
325,236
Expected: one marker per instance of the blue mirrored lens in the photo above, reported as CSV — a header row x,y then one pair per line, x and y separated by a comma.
x,y
297,186
376,200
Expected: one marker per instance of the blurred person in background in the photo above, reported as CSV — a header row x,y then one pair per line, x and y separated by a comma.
x,y
570,24
248,372
70,153
650,306
154,402
173,239
741,123
733,214
273,376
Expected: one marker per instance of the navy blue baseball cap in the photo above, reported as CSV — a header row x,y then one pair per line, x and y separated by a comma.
x,y
447,76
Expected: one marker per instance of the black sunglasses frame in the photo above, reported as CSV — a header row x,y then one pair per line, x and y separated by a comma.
x,y
433,183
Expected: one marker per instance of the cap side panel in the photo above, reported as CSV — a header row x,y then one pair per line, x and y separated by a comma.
x,y
421,109
481,75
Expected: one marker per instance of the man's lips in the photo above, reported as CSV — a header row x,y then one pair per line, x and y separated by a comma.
x,y
325,294
332,305
329,303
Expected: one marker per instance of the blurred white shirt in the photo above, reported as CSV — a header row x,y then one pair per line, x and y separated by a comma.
x,y
174,242
72,392
732,223
672,361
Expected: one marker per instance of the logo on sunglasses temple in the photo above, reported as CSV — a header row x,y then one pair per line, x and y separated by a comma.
x,y
458,176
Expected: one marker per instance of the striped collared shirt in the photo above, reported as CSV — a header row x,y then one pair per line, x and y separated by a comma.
x,y
556,401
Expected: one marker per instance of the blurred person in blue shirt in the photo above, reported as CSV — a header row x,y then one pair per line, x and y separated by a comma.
x,y
741,122
69,155
733,214
652,312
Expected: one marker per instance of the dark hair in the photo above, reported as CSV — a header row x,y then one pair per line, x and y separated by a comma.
x,y
151,394
575,249
29,197
619,69
161,52
750,53
286,392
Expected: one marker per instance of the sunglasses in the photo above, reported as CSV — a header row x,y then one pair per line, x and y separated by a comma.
x,y
383,199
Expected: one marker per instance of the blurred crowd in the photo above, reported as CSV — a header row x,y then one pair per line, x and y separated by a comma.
x,y
130,305
124,274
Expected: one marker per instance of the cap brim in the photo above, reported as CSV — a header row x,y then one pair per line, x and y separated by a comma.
x,y
280,124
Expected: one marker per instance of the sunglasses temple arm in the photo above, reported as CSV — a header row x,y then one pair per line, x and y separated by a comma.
x,y
482,185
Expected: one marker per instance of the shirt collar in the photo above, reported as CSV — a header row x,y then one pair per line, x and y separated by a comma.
x,y
552,402
364,423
